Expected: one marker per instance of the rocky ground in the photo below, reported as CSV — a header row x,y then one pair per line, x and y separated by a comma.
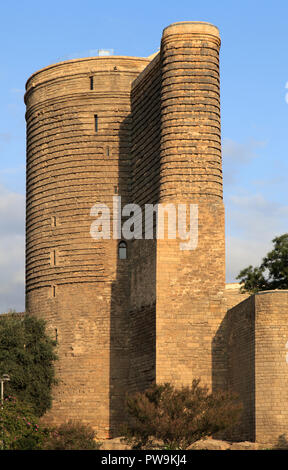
x,y
206,444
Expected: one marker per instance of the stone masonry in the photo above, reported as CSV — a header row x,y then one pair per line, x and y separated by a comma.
x,y
147,130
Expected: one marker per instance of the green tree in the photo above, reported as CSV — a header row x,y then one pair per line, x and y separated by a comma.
x,y
272,273
27,354
178,417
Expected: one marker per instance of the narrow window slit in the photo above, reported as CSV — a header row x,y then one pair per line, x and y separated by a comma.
x,y
91,83
96,122
53,258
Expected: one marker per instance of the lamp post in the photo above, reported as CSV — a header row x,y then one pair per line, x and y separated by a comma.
x,y
4,378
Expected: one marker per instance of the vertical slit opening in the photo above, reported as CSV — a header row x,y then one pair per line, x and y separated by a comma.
x,y
53,258
96,122
91,83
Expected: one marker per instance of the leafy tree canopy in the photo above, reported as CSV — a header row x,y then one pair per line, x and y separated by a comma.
x,y
27,355
272,273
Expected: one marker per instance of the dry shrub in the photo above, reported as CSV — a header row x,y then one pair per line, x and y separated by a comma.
x,y
177,417
72,436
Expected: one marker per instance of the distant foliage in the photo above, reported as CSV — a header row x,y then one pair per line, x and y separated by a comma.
x,y
19,429
72,436
27,354
176,418
272,273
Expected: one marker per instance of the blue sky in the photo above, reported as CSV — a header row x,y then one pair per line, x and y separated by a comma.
x,y
254,73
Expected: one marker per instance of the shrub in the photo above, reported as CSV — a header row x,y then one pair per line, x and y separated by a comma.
x,y
178,417
19,429
72,436
27,355
282,443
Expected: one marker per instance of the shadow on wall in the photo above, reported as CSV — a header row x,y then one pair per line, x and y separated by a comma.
x,y
233,365
120,295
133,318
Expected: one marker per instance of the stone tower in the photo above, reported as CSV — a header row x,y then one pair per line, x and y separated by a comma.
x,y
147,130
176,297
78,154
190,282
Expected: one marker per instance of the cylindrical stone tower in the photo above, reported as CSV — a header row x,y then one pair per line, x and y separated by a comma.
x,y
190,283
78,154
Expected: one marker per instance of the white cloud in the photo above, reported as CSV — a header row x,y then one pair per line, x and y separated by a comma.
x,y
17,90
236,154
240,153
252,222
12,249
241,253
12,171
5,137
273,181
252,219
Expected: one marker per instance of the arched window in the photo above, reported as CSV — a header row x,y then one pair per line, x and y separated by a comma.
x,y
122,250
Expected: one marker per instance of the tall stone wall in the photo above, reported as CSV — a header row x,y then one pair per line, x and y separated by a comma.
x,y
241,364
145,139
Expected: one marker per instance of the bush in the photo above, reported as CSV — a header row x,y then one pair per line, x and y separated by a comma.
x,y
282,443
178,417
19,429
27,355
72,436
